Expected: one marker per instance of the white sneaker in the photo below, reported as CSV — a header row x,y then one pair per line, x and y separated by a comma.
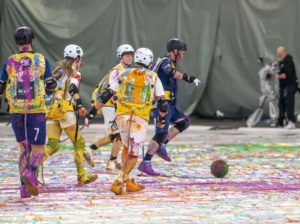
x,y
290,125
113,165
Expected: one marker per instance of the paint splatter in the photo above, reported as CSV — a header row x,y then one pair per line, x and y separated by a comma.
x,y
262,186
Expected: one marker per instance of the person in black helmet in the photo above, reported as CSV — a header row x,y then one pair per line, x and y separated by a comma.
x,y
27,77
169,76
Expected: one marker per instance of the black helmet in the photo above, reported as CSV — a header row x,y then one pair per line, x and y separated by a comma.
x,y
175,43
23,35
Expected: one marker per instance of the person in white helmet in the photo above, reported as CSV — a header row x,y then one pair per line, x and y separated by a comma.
x,y
125,57
135,90
63,108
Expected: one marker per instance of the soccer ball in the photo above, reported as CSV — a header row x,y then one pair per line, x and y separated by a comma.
x,y
219,168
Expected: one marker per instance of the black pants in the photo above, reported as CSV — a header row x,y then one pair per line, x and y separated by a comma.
x,y
287,104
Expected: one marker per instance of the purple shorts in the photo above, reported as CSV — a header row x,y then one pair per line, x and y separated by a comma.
x,y
33,124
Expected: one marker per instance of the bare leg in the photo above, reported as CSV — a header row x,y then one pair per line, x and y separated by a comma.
x,y
173,132
152,147
124,155
112,163
116,145
103,141
129,165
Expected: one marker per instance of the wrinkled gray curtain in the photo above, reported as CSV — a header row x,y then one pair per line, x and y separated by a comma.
x,y
224,38
246,30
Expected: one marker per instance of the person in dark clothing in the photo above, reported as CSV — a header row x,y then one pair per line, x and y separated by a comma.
x,y
288,87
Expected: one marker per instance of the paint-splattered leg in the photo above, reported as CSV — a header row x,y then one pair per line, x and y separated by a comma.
x,y
22,158
79,145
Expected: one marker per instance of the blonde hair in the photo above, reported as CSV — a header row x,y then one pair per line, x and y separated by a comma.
x,y
66,67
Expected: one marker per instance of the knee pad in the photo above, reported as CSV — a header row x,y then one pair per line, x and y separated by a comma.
x,y
115,137
159,137
183,125
80,144
53,145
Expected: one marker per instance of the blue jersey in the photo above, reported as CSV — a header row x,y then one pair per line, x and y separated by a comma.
x,y
169,83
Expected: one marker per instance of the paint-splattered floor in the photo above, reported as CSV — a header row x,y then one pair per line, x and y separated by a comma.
x,y
262,186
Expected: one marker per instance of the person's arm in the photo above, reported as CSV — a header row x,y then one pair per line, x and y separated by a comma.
x,y
172,72
288,71
102,99
3,80
49,80
282,76
74,92
114,76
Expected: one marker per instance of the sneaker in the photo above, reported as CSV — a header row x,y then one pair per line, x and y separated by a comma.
x,y
30,181
290,125
113,165
132,186
146,167
88,158
117,187
24,192
162,153
87,178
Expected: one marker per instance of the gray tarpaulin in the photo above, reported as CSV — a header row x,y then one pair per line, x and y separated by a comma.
x,y
224,38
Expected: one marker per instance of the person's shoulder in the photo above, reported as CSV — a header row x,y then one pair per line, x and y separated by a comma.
x,y
289,57
151,72
77,75
39,55
13,56
117,67
166,59
127,70
115,72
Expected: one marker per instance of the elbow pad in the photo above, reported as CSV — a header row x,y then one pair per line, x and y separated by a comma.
x,y
163,106
169,71
105,96
50,85
73,89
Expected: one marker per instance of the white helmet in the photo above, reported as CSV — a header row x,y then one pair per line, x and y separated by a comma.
x,y
73,51
143,56
124,48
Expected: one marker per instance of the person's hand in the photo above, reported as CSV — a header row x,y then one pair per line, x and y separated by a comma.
x,y
197,82
82,111
87,122
191,79
91,115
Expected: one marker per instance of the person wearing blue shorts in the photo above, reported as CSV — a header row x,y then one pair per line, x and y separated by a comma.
x,y
169,76
27,77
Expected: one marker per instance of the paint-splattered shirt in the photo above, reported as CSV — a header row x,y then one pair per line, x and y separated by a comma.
x,y
48,72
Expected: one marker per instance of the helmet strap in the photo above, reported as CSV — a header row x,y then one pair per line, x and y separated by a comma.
x,y
176,55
